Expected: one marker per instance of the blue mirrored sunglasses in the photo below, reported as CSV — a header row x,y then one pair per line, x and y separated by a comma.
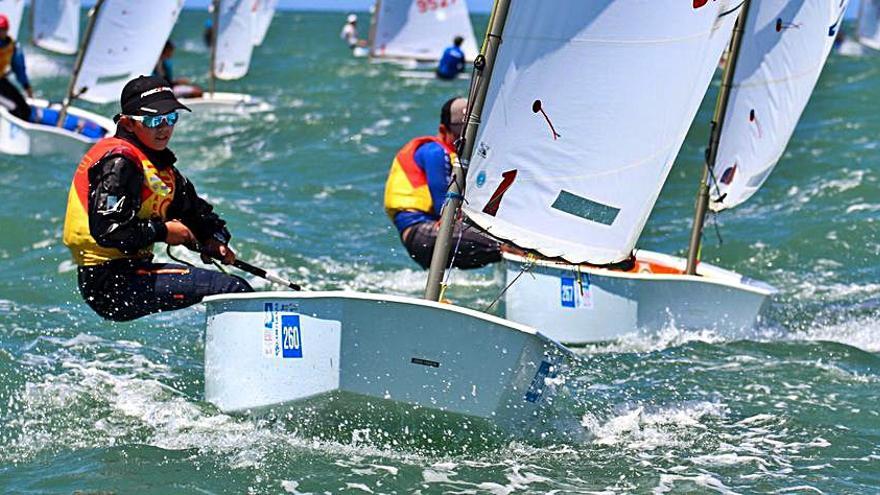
x,y
154,121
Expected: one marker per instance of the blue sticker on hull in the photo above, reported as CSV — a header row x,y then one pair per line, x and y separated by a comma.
x,y
536,389
566,295
291,337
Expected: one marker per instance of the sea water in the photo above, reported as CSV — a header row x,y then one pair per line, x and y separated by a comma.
x,y
90,406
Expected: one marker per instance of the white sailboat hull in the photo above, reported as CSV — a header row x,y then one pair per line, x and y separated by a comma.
x,y
227,102
18,137
608,304
271,350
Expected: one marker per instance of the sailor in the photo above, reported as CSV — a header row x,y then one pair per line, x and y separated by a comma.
x,y
183,88
208,30
12,58
452,62
416,189
127,195
349,33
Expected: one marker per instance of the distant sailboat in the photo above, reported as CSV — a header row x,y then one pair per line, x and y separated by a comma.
x,y
231,51
127,39
115,49
415,31
868,29
55,25
776,63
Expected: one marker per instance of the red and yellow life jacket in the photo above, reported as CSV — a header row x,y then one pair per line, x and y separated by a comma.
x,y
6,54
407,184
157,193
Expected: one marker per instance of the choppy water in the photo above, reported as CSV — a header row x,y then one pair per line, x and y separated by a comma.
x,y
96,407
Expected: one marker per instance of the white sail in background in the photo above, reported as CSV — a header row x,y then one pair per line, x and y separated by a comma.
x,y
126,42
421,29
869,23
784,48
264,10
234,39
56,25
13,10
587,109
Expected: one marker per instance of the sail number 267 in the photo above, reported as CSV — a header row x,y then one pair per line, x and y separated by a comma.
x,y
429,5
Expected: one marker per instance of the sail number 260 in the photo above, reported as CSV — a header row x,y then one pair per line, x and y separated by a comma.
x,y
429,5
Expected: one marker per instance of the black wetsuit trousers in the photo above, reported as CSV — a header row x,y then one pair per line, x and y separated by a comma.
x,y
470,248
123,290
11,98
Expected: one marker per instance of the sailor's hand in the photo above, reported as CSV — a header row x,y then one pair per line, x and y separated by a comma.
x,y
29,91
216,249
178,234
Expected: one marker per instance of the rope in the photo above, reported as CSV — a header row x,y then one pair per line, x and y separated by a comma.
x,y
530,262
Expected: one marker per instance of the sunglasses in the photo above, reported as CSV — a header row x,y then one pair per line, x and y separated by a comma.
x,y
154,121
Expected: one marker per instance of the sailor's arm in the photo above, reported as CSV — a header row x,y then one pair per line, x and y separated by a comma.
x,y
20,71
196,213
114,201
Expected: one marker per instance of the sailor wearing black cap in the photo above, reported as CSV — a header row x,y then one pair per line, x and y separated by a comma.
x,y
125,196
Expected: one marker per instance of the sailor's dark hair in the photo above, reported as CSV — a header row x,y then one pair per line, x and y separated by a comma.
x,y
458,40
446,112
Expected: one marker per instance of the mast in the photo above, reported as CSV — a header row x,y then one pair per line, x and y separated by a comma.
x,y
32,21
77,65
459,167
702,203
215,32
374,21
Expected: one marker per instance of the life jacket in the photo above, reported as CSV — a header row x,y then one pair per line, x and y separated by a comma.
x,y
157,193
6,53
407,184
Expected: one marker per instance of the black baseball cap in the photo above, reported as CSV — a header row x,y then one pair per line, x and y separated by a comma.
x,y
149,95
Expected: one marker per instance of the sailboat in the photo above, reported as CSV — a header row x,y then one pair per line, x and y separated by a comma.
x,y
13,10
277,350
55,25
415,32
868,27
231,49
775,62
98,76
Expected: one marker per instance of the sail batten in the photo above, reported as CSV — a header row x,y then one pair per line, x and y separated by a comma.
x,y
784,49
414,29
591,101
56,25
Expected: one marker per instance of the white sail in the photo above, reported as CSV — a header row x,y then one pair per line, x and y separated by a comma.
x,y
126,42
784,48
869,23
13,10
234,39
264,10
421,29
587,109
56,25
